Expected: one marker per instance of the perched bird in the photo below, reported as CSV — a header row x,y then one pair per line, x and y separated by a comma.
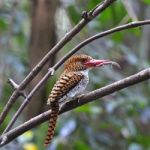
x,y
72,81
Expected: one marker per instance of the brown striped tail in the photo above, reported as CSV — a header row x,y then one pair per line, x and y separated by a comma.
x,y
52,124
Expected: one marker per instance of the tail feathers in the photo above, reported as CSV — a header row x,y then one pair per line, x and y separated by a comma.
x,y
52,125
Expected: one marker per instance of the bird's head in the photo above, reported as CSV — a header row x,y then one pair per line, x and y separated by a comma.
x,y
84,62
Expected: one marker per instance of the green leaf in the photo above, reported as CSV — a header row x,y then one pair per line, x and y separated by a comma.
x,y
91,4
3,24
118,38
84,108
144,140
146,1
79,145
112,16
74,15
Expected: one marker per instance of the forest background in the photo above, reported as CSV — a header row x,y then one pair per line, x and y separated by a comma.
x,y
29,29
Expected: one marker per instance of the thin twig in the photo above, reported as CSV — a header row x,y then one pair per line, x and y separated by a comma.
x,y
81,100
129,8
26,101
87,41
15,86
53,51
13,83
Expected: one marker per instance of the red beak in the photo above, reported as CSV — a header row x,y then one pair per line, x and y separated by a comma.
x,y
98,63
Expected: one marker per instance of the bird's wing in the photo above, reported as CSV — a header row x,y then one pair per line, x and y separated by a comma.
x,y
66,83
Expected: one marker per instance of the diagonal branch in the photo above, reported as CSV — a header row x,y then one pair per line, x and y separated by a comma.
x,y
53,51
74,50
99,35
81,100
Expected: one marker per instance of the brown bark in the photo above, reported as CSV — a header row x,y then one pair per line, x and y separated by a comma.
x,y
78,101
42,39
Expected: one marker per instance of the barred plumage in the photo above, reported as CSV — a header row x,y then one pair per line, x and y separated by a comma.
x,y
69,84
65,84
73,81
52,124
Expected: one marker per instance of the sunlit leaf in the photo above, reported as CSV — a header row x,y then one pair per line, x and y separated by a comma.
x,y
84,108
3,24
74,15
146,1
80,145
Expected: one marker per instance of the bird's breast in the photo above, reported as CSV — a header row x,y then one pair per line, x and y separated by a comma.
x,y
80,87
68,85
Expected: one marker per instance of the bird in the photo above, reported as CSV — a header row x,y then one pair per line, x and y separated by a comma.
x,y
71,82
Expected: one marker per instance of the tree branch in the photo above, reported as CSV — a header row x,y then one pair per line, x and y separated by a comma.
x,y
81,100
99,35
53,51
15,86
74,50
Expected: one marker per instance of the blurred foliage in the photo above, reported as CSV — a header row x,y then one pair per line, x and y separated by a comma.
x,y
121,120
117,121
14,36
